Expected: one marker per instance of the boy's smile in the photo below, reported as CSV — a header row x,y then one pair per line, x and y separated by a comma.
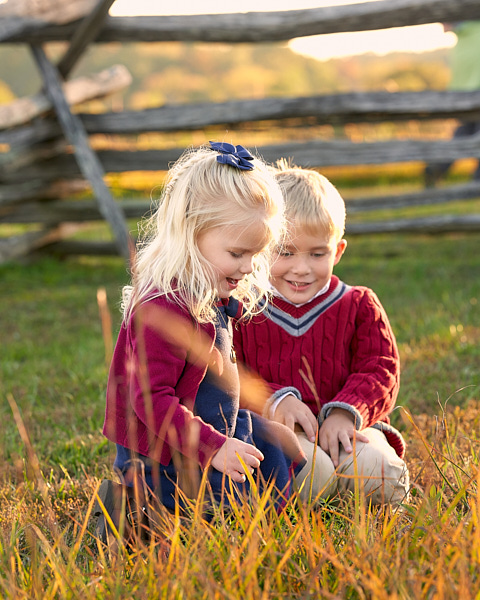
x,y
305,265
298,286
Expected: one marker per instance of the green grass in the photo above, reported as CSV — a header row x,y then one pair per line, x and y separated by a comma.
x,y
53,367
53,358
430,287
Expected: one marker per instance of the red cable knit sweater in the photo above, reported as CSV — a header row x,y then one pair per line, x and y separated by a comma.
x,y
338,350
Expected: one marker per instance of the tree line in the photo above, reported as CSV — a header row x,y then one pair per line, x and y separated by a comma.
x,y
176,72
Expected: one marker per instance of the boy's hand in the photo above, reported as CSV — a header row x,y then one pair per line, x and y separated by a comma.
x,y
338,428
291,410
226,459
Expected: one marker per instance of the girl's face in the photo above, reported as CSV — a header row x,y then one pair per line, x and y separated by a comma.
x,y
305,265
231,250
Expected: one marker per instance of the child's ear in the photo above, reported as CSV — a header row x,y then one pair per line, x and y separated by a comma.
x,y
341,247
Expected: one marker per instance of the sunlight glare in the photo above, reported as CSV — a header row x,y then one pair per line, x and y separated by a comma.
x,y
418,38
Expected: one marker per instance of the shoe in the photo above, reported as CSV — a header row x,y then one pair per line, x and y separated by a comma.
x,y
115,497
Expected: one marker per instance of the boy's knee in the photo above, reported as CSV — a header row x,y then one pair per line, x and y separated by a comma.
x,y
376,468
317,479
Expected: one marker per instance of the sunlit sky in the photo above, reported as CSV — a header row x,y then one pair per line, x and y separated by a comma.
x,y
420,38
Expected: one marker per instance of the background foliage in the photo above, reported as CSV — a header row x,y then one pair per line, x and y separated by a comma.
x,y
177,72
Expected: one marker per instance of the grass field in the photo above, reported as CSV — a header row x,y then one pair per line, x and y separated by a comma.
x,y
53,368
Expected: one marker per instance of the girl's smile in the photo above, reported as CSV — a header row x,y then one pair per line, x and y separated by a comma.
x,y
232,282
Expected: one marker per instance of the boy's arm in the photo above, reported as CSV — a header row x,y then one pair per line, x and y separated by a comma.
x,y
370,391
338,429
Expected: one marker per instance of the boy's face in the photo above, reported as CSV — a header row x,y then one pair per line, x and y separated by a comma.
x,y
305,264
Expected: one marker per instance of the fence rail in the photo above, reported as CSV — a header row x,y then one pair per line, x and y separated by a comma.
x,y
252,26
312,153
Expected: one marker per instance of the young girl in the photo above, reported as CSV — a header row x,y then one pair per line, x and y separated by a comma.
x,y
204,251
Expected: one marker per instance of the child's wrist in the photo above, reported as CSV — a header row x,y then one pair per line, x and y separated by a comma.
x,y
275,404
342,412
274,400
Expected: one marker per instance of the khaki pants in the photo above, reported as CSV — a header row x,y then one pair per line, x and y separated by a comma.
x,y
375,468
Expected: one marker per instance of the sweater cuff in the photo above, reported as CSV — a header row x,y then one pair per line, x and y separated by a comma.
x,y
276,398
327,409
394,437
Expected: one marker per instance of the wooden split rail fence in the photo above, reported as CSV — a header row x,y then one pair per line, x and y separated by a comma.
x,y
47,154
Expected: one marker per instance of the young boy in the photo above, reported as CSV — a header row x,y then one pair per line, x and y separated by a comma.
x,y
328,353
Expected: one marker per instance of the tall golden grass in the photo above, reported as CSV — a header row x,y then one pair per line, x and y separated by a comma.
x,y
429,548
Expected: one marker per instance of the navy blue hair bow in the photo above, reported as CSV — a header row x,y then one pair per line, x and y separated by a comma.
x,y
236,156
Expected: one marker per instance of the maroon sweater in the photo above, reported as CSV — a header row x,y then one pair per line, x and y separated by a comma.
x,y
158,364
338,350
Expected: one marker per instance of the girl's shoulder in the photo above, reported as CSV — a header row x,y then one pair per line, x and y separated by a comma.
x,y
162,312
170,300
157,305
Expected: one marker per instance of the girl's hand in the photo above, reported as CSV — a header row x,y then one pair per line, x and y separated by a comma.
x,y
338,428
226,459
291,410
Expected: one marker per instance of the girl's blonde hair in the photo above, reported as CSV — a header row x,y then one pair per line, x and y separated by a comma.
x,y
201,194
311,201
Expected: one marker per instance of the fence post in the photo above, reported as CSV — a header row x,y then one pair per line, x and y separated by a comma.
x,y
88,161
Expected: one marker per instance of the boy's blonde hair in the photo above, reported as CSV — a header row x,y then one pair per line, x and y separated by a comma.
x,y
312,203
201,194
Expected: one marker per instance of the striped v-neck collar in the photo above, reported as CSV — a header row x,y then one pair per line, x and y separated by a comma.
x,y
298,325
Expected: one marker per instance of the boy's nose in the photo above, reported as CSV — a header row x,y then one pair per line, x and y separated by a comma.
x,y
301,265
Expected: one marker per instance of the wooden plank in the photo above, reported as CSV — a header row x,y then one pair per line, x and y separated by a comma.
x,y
265,26
20,16
318,153
24,193
337,109
433,225
48,11
87,210
17,192
20,158
81,89
66,165
425,197
87,160
314,153
26,135
86,32
82,248
15,247
57,211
